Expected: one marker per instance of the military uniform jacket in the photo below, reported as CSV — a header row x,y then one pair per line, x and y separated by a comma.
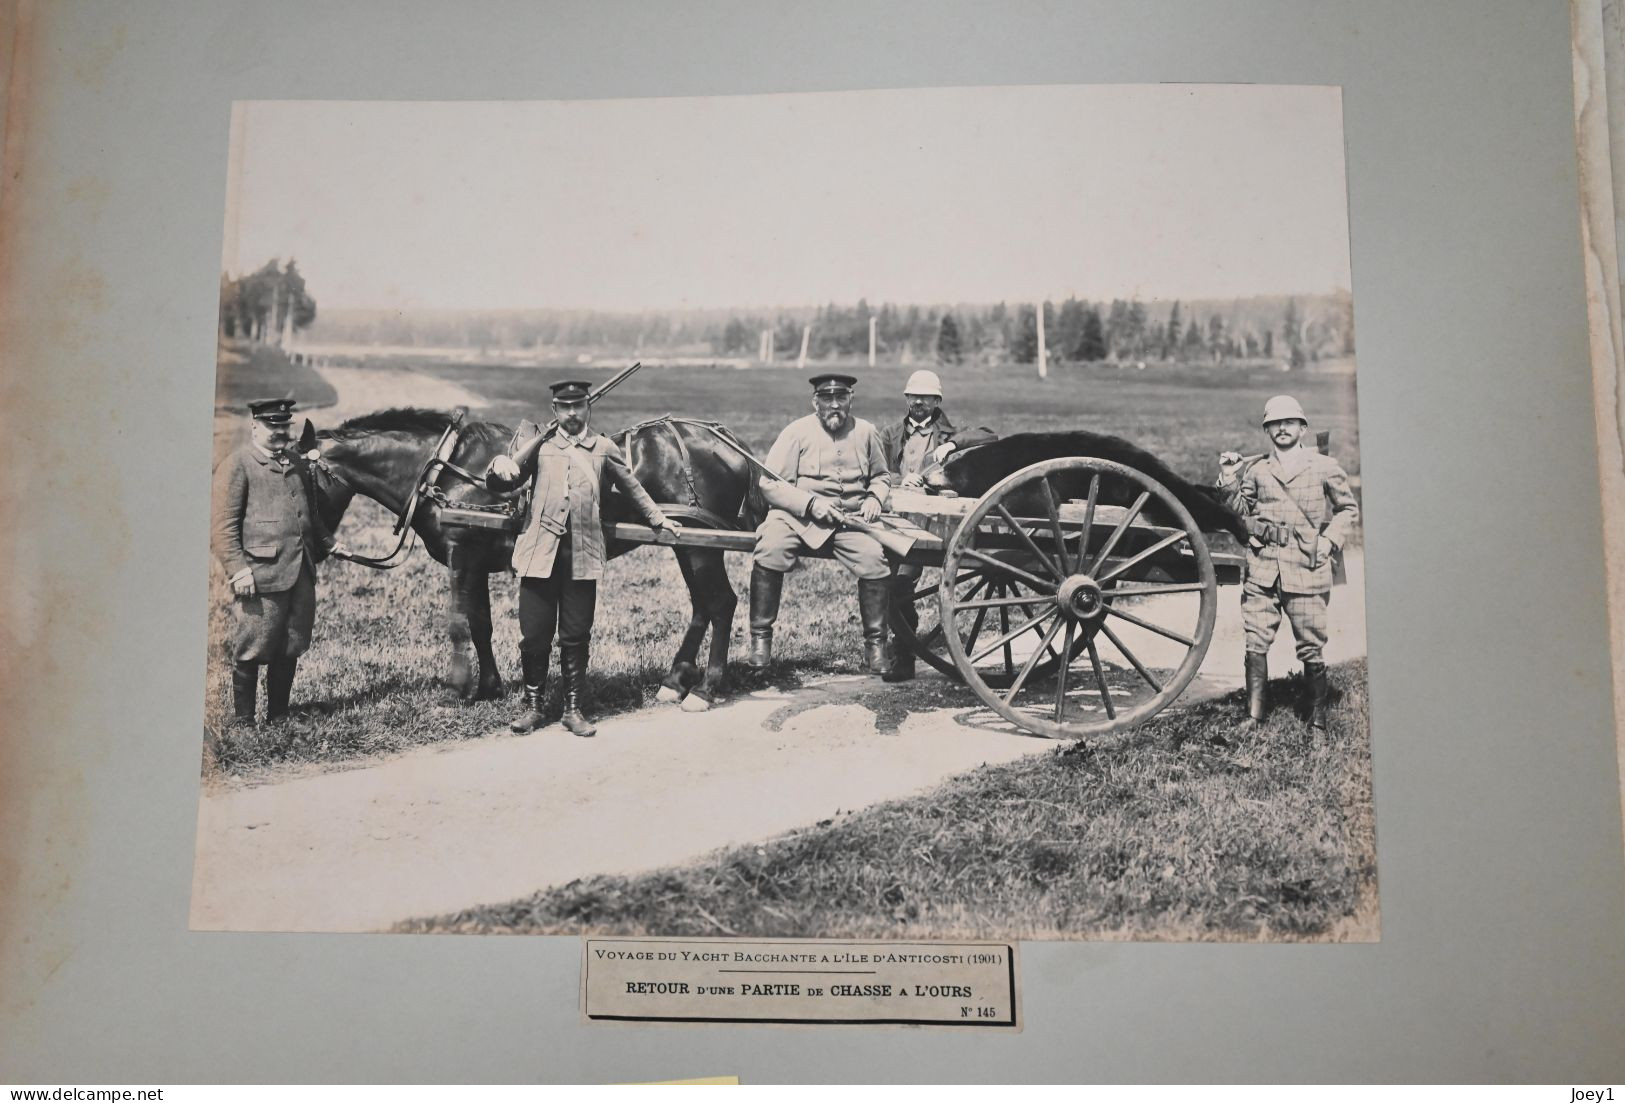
x,y
565,497
847,468
1317,501
265,518
894,438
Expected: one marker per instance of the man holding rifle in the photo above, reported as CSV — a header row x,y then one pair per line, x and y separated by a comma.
x,y
1299,509
830,467
559,556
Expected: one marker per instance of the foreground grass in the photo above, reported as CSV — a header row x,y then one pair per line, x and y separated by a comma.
x,y
1170,836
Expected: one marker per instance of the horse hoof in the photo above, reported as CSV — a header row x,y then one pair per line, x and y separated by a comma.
x,y
667,695
695,703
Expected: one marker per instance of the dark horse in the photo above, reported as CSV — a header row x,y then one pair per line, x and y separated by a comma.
x,y
694,476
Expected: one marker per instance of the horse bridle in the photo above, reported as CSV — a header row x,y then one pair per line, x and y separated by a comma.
x,y
425,486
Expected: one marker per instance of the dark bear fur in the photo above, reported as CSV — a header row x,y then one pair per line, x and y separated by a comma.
x,y
975,470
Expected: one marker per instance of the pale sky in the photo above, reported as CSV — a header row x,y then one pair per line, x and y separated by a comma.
x,y
909,196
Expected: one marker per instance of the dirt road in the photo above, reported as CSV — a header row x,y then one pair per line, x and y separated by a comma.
x,y
448,827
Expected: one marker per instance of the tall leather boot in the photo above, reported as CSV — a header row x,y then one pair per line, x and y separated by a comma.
x,y
766,587
1258,676
245,678
573,666
278,687
899,655
1315,675
535,674
874,597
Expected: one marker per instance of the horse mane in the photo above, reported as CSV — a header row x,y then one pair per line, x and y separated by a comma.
x,y
413,419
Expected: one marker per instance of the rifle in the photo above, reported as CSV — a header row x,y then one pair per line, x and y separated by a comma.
x,y
897,543
529,448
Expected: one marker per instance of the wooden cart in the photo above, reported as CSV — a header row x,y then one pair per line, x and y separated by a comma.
x,y
1055,596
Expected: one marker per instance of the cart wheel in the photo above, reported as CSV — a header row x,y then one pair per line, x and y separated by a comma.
x,y
1114,585
927,640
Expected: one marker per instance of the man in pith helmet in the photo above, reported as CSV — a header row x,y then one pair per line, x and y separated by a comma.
x,y
1299,512
916,446
830,465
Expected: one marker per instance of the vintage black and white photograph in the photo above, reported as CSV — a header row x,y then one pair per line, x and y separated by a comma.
x,y
879,514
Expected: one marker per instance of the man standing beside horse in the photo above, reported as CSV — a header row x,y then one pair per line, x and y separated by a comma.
x,y
916,445
1299,509
559,556
269,537
829,465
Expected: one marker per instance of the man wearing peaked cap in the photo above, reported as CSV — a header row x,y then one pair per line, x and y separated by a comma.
x,y
269,537
559,556
1299,511
916,445
829,464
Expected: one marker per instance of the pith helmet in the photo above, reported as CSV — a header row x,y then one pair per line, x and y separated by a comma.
x,y
1282,408
923,382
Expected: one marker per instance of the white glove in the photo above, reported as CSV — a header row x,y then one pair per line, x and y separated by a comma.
x,y
242,583
944,450
504,468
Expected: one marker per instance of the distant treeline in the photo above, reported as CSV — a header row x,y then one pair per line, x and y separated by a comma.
x,y
1295,329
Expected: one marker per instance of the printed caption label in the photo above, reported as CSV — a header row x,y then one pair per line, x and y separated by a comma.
x,y
730,980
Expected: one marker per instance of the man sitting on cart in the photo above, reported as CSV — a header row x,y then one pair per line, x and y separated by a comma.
x,y
829,464
916,445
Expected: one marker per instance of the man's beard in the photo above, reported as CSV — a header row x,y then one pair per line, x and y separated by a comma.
x,y
573,426
834,420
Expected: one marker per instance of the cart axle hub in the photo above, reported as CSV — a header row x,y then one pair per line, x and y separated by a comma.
x,y
1081,598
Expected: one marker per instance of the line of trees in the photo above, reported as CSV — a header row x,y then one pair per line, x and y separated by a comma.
x,y
1296,330
266,304
1075,330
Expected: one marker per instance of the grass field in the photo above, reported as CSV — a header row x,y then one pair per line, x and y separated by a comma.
x,y
1184,414
251,371
371,682
1167,837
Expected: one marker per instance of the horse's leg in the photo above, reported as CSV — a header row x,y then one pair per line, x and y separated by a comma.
x,y
461,675
712,590
479,626
684,673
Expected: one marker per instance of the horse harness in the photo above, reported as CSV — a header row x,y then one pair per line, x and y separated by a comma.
x,y
506,515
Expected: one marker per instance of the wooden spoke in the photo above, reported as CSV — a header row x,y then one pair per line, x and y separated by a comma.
x,y
1149,627
1004,639
1117,533
1004,626
1060,674
1060,533
1166,541
1156,588
1026,600
931,637
1088,518
976,628
1100,680
1026,538
1106,630
1032,661
1015,572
